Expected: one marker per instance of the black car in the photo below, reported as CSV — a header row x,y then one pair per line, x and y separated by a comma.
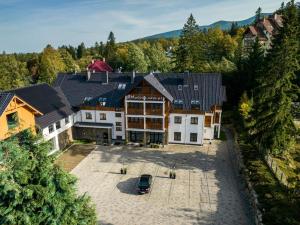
x,y
144,184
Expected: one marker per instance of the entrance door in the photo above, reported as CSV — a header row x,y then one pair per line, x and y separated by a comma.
x,y
216,132
105,137
156,138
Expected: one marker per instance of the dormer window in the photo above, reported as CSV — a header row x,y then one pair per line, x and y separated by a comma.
x,y
121,86
179,87
87,100
178,104
102,101
195,104
196,88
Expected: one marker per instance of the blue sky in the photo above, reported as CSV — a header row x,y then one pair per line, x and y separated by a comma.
x,y
29,25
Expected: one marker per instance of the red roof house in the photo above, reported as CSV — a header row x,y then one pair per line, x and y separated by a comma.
x,y
99,66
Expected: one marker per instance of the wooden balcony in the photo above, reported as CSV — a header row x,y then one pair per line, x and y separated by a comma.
x,y
157,112
136,125
135,111
154,126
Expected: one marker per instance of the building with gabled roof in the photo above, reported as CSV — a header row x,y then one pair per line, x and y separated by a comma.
x,y
16,115
145,108
99,66
264,30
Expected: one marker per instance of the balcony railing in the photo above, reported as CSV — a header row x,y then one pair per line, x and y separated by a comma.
x,y
136,125
151,111
154,126
135,111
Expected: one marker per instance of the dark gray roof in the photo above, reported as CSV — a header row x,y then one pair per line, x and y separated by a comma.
x,y
210,90
76,87
152,80
5,99
48,100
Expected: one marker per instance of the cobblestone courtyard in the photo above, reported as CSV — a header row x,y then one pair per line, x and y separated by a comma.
x,y
205,190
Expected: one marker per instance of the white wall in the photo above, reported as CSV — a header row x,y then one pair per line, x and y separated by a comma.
x,y
110,118
186,128
54,135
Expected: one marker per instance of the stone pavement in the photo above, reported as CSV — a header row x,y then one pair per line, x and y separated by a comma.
x,y
205,190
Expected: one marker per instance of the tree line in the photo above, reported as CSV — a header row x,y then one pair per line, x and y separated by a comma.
x,y
210,50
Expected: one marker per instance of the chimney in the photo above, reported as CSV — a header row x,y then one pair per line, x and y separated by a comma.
x,y
106,77
133,77
103,59
93,61
94,71
88,76
275,16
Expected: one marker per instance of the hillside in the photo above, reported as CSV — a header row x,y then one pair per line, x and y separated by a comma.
x,y
224,25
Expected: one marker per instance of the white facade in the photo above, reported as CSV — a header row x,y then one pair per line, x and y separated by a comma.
x,y
97,116
185,128
64,125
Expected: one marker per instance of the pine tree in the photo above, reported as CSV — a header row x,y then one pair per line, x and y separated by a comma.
x,y
81,51
258,14
184,54
233,29
273,128
34,191
252,66
110,49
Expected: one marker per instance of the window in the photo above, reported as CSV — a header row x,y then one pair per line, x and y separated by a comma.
x,y
51,129
193,137
118,128
118,115
119,137
178,104
177,136
57,125
196,87
179,87
207,121
67,120
177,119
118,124
194,120
121,86
12,120
195,104
88,116
102,101
102,116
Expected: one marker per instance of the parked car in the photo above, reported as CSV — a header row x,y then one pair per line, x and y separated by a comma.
x,y
144,184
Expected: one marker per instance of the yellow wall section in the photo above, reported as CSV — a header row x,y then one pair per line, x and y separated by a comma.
x,y
25,118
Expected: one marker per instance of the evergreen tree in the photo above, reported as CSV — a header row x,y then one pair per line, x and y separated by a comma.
x,y
273,128
34,191
258,14
110,49
81,51
252,66
184,54
233,29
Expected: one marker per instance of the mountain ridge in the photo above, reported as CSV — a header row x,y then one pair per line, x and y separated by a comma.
x,y
223,24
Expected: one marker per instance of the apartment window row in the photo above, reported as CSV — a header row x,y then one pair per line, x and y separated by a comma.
x,y
51,128
178,120
193,136
89,116
118,126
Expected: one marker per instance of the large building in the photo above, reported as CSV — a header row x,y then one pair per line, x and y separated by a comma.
x,y
141,108
263,31
118,108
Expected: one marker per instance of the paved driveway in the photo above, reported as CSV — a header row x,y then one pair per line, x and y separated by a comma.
x,y
205,190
